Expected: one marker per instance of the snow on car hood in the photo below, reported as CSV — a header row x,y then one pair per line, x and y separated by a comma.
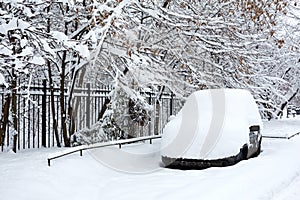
x,y
212,124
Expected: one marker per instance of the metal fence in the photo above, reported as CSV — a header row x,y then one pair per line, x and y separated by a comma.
x,y
35,120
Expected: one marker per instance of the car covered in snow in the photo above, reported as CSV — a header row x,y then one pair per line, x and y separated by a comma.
x,y
214,128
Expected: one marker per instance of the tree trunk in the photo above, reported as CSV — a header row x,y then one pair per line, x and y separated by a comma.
x,y
52,101
53,110
104,108
107,100
77,102
62,102
280,113
14,113
4,119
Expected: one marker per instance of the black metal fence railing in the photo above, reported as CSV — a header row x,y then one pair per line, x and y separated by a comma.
x,y
35,118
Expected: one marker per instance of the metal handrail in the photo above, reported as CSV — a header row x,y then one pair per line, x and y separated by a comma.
x,y
281,137
80,149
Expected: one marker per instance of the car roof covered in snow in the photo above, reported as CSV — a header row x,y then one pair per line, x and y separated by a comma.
x,y
212,124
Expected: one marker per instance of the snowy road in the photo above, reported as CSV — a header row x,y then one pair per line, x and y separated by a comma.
x,y
274,175
291,191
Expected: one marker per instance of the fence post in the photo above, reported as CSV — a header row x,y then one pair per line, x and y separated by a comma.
x,y
157,118
150,129
44,113
171,104
88,104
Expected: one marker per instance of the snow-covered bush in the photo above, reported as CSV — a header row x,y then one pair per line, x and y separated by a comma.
x,y
139,112
125,113
109,125
89,136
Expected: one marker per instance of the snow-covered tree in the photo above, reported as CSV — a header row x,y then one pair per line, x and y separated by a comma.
x,y
206,44
20,58
288,58
144,46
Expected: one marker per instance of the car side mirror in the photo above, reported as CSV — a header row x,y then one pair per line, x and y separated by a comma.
x,y
254,128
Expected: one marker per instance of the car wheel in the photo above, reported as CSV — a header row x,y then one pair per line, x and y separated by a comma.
x,y
244,152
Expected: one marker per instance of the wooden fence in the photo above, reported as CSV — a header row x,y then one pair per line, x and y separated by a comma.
x,y
35,120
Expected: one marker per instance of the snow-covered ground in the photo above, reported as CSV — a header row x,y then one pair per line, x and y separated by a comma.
x,y
273,175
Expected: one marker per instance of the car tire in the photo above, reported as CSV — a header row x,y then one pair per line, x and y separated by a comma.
x,y
244,152
242,155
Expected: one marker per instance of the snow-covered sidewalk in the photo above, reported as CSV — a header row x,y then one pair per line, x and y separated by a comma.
x,y
282,128
273,175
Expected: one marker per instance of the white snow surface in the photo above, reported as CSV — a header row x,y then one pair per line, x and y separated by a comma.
x,y
274,175
13,24
2,80
38,60
212,124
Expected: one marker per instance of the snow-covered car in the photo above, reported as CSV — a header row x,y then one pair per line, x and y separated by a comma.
x,y
215,128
